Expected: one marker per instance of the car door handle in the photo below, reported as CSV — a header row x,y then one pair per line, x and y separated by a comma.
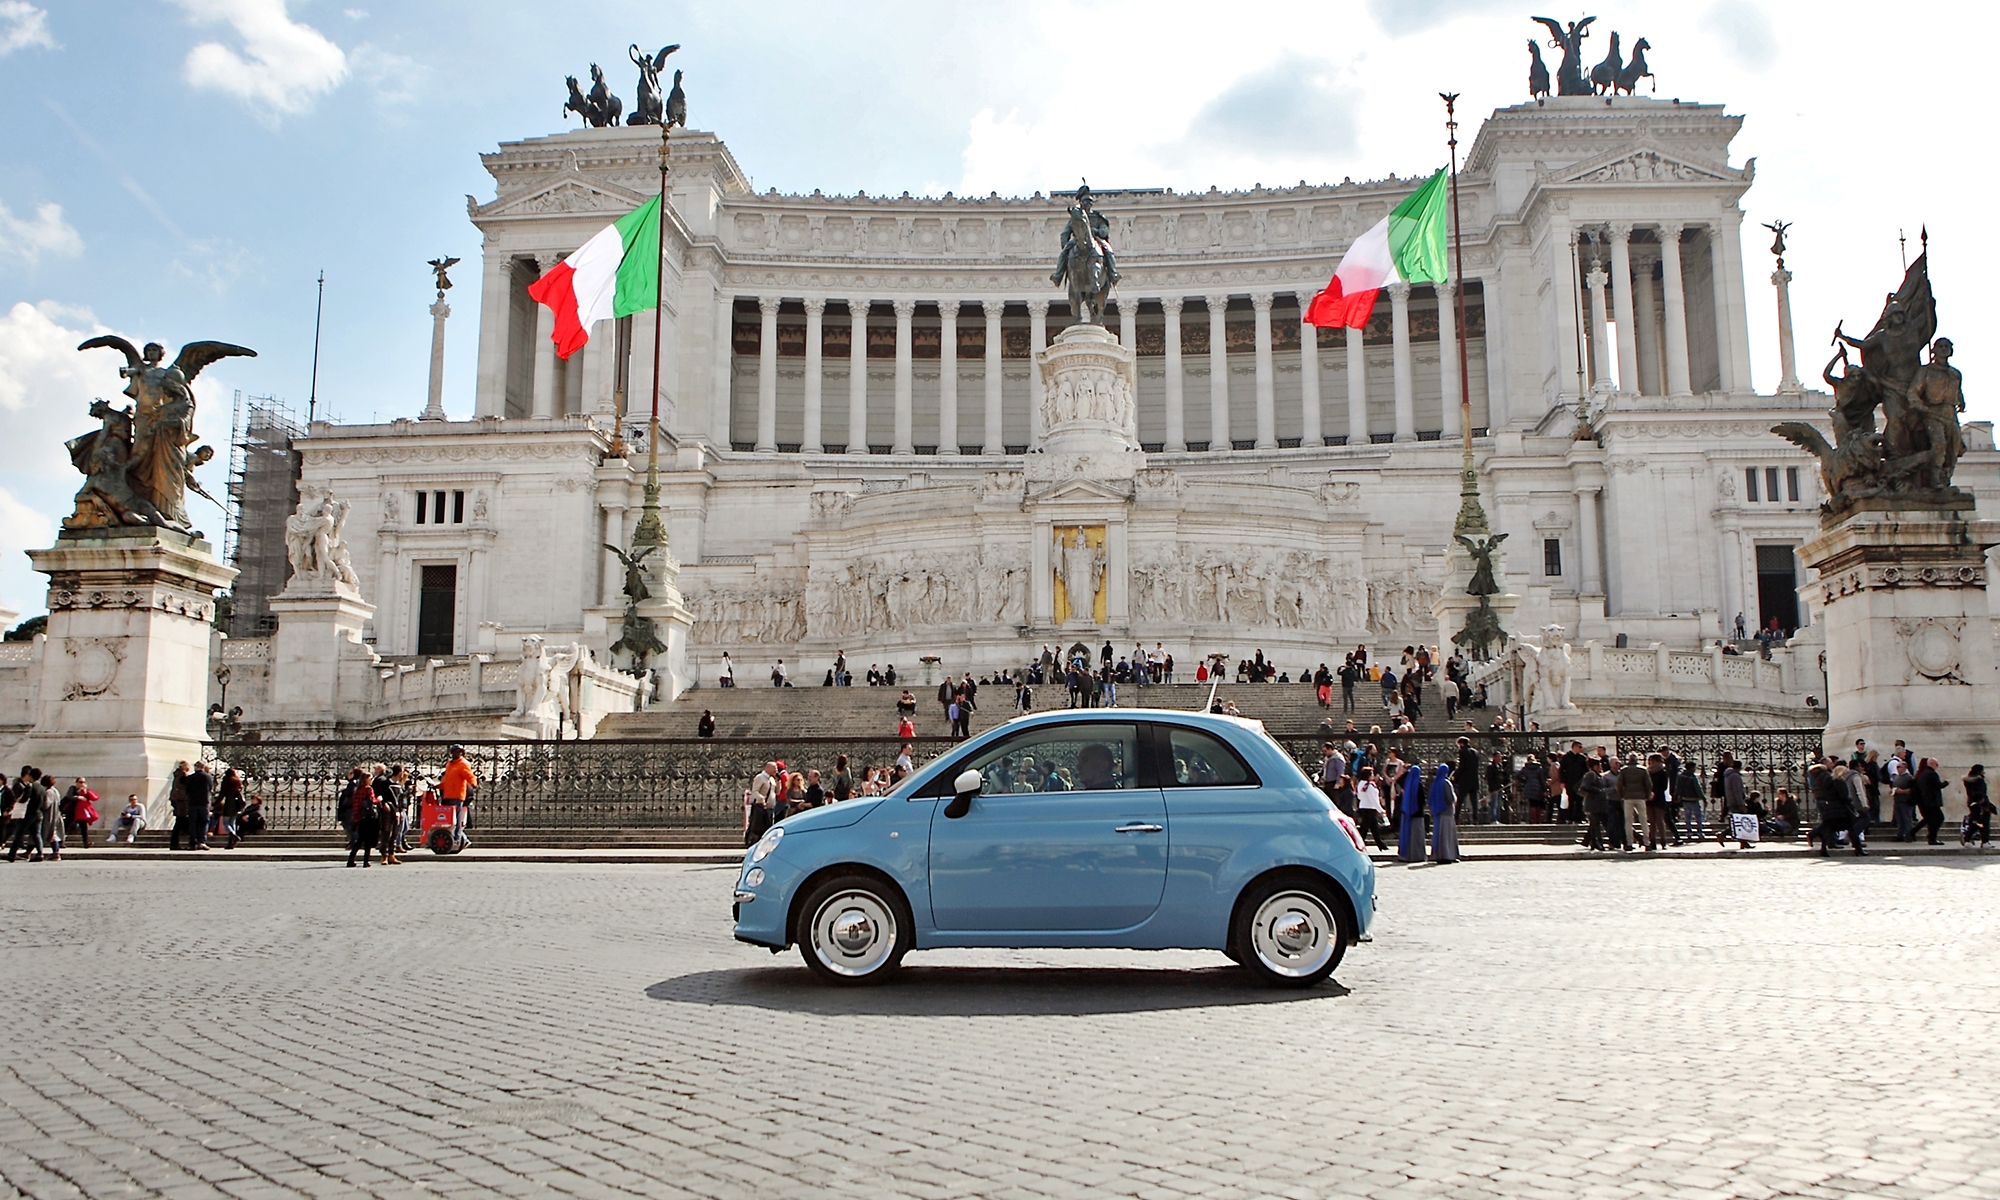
x,y
1139,827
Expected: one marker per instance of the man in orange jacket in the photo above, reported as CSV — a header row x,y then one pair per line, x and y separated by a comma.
x,y
457,784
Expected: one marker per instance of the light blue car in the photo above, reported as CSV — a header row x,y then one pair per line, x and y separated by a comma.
x,y
1136,828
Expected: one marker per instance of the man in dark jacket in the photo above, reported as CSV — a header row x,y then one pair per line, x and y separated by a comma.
x,y
1573,765
1635,788
1930,798
200,786
1466,776
177,802
33,797
1531,784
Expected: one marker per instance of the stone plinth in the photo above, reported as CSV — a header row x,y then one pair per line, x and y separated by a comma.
x,y
124,689
316,623
1909,641
1089,412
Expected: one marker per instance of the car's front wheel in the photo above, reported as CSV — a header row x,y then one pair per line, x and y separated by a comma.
x,y
1291,931
854,929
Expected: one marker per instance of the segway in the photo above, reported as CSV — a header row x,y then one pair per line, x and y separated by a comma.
x,y
443,823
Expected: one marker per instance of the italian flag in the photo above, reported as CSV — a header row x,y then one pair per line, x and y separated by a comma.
x,y
1407,245
614,274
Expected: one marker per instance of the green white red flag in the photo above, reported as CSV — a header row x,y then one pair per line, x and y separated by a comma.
x,y
614,274
1409,245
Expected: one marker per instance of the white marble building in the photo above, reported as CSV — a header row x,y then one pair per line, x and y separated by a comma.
x,y
852,426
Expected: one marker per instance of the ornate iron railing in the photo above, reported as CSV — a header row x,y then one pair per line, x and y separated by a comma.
x,y
653,783
698,783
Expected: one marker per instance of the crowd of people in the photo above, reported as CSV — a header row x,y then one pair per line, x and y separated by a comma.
x,y
42,821
780,789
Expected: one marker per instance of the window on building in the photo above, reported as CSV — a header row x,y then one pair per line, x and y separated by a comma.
x,y
1750,484
1771,484
1792,484
1552,557
430,508
437,604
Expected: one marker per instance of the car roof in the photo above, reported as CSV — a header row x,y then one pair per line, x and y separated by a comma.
x,y
1181,715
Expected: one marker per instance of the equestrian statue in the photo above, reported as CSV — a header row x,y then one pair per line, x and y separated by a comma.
x,y
1087,263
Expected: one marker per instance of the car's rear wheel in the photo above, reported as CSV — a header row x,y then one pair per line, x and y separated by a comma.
x,y
854,929
1291,931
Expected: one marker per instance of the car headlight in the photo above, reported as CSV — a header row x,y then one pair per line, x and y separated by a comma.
x,y
767,843
754,877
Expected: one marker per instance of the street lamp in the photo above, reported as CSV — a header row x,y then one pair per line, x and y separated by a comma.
x,y
221,715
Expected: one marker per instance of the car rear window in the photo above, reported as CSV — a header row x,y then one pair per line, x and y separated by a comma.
x,y
1201,759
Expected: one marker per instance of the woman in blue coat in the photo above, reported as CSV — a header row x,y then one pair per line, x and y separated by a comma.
x,y
1444,816
1410,841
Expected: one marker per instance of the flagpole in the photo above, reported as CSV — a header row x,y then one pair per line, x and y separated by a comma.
x,y
649,531
1471,514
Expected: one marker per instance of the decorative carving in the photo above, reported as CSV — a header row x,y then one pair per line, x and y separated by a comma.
x,y
1932,644
541,685
1079,567
1545,672
94,666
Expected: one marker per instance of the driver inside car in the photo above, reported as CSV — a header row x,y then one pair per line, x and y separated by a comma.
x,y
1094,769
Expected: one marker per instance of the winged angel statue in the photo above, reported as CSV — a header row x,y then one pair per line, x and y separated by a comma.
x,y
138,466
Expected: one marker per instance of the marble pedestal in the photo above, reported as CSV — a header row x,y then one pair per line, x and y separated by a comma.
x,y
1081,479
124,687
317,625
1901,597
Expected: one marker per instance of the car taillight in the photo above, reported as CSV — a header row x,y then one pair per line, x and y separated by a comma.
x,y
1348,827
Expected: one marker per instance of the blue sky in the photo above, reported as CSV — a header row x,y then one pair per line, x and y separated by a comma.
x,y
181,169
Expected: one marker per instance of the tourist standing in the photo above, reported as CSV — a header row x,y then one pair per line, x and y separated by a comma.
x,y
200,789
177,803
388,802
31,804
1635,788
843,780
1571,768
1978,808
1444,816
1930,800
1410,842
758,802
1368,806
229,806
1531,784
1333,776
728,678
1836,808
1903,795
1659,828
1596,806
1466,777
79,811
1687,793
364,818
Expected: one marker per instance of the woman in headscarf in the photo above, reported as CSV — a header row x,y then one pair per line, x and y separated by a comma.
x,y
1410,841
1444,816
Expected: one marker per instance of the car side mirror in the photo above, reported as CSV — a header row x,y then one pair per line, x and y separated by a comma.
x,y
965,787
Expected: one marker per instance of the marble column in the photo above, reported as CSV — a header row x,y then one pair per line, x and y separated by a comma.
x,y
1623,309
815,375
1788,362
995,435
1267,380
1176,383
1128,323
905,309
1676,314
1218,373
434,407
1309,411
1038,341
1406,399
1725,328
1600,331
545,347
857,379
490,399
1357,387
947,377
1646,322
767,376
723,372
1449,395
1586,541
1729,265
611,580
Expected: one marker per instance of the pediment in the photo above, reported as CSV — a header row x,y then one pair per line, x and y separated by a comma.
x,y
566,193
1080,490
1647,164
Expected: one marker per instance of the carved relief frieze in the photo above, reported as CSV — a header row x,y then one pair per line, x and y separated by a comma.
x,y
156,597
93,670
1932,646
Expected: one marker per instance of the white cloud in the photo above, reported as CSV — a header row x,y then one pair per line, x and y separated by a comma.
x,y
1402,17
1297,106
1745,33
45,385
284,65
22,528
23,25
29,239
395,80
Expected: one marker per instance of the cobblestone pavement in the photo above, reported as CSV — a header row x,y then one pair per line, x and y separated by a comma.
x,y
1602,1029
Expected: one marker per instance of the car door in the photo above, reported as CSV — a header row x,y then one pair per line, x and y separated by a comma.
x,y
1069,835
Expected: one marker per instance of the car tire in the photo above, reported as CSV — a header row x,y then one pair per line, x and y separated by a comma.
x,y
1291,930
854,929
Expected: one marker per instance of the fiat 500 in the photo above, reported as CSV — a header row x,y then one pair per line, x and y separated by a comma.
x,y
1131,828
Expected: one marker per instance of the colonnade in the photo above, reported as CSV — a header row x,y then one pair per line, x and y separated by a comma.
x,y
979,430
1652,334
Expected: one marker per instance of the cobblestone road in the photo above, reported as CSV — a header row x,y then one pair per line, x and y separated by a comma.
x,y
1604,1029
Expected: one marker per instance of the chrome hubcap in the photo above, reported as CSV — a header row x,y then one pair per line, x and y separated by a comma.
x,y
1293,934
853,933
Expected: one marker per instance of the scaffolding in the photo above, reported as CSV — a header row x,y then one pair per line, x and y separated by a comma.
x,y
263,491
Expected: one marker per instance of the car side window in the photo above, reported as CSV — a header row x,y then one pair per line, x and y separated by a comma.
x,y
1200,759
1086,756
